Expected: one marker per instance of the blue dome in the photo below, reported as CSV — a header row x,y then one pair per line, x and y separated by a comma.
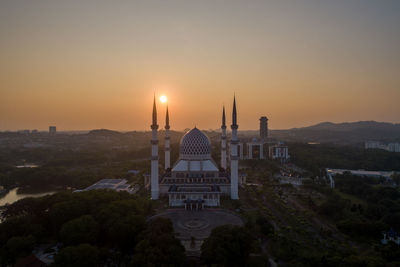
x,y
195,145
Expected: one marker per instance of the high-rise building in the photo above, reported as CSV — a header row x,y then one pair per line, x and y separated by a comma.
x,y
263,128
52,130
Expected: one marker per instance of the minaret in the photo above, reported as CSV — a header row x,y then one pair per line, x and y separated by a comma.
x,y
167,143
234,154
223,141
154,155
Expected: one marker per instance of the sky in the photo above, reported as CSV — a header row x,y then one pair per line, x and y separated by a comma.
x,y
83,65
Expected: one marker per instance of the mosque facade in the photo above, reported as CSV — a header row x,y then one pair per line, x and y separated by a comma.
x,y
195,180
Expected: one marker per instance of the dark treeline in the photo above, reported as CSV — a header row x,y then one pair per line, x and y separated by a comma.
x,y
69,157
98,228
94,228
68,168
317,157
365,210
73,168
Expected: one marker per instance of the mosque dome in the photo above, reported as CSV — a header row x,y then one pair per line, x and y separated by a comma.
x,y
195,145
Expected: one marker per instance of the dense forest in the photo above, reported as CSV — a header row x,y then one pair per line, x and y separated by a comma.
x,y
315,157
377,210
98,228
73,168
89,229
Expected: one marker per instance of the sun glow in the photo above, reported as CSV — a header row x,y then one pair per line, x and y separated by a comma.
x,y
163,99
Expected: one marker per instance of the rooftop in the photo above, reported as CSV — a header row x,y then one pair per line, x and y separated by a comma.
x,y
112,184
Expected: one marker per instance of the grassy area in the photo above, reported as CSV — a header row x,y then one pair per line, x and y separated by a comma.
x,y
352,198
299,231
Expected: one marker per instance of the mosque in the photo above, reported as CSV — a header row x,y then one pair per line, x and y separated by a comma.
x,y
195,180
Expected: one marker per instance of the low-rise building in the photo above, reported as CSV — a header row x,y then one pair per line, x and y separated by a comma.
x,y
375,174
392,147
280,152
112,184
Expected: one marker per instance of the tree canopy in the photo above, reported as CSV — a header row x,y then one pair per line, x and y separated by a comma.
x,y
227,245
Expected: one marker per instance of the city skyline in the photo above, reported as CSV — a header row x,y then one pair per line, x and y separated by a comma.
x,y
81,66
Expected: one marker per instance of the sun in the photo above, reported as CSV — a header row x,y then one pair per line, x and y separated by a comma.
x,y
163,99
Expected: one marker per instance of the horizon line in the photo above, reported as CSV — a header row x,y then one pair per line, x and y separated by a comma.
x,y
180,130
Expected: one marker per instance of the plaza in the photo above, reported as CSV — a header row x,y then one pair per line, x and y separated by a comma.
x,y
197,224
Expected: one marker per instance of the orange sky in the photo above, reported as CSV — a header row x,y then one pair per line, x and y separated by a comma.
x,y
95,64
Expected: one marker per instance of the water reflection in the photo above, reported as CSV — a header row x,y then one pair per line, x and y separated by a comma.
x,y
12,196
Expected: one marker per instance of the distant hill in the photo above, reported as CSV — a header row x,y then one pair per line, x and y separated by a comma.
x,y
352,126
104,132
324,132
346,133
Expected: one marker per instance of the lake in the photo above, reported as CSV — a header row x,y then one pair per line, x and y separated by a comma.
x,y
12,196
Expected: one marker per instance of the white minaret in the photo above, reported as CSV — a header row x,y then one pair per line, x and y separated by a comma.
x,y
223,141
234,154
167,143
154,155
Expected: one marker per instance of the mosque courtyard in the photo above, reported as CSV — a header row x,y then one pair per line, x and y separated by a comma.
x,y
192,227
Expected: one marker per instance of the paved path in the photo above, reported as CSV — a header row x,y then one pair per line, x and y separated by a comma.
x,y
197,224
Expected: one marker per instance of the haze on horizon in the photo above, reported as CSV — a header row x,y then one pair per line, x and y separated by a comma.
x,y
95,64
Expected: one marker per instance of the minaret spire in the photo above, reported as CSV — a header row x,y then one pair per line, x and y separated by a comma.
x,y
234,154
223,116
167,142
234,115
154,111
223,140
154,154
167,119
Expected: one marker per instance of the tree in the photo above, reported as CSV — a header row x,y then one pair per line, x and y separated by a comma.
x,y
63,212
159,246
227,245
390,252
124,231
333,207
19,246
81,255
258,261
393,220
78,218
266,227
81,230
357,228
396,178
